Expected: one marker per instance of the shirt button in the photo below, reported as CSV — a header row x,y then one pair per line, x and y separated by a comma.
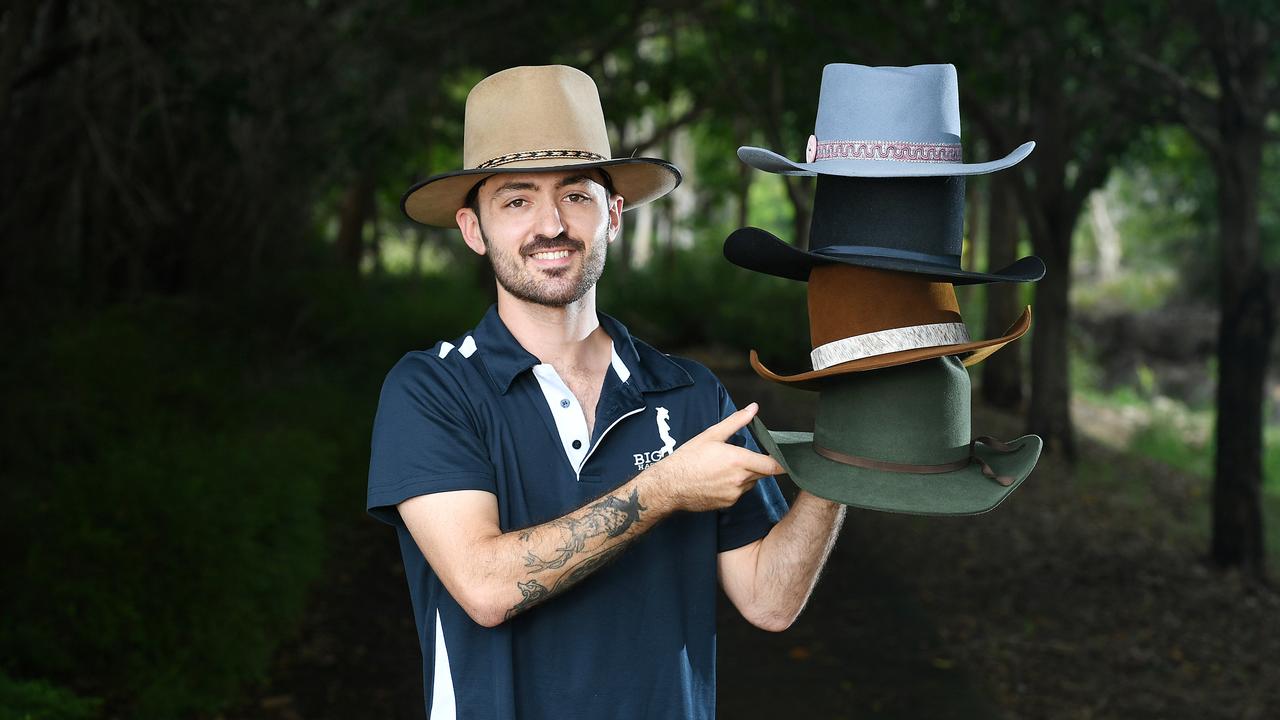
x,y
565,403
576,443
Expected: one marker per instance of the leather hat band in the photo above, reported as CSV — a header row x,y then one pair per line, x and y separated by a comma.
x,y
872,464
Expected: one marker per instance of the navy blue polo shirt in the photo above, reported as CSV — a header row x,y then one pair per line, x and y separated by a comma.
x,y
637,638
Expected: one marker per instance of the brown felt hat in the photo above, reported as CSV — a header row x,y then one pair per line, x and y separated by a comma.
x,y
864,318
532,119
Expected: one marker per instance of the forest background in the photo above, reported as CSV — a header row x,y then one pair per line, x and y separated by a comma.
x,y
206,275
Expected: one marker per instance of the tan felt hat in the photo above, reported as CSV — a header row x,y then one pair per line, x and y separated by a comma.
x,y
530,119
865,319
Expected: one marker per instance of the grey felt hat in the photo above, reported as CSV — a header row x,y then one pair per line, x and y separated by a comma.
x,y
884,122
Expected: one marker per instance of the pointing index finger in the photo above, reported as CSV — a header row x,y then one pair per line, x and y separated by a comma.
x,y
725,429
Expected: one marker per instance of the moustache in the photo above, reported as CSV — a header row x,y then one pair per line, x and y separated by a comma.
x,y
545,244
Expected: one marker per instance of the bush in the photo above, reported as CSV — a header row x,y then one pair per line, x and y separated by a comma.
x,y
169,468
695,297
164,516
36,700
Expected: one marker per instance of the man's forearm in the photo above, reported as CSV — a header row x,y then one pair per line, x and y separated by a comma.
x,y
792,555
496,575
526,567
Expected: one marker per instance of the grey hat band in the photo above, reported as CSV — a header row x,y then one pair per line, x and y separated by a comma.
x,y
883,342
888,150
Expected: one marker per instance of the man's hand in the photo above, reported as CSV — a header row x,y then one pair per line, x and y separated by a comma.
x,y
495,575
708,473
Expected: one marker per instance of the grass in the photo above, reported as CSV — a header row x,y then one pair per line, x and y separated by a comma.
x,y
1170,434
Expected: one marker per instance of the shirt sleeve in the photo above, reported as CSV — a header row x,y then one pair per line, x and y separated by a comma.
x,y
425,439
760,508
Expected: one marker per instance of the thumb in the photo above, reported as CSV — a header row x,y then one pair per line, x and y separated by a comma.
x,y
725,429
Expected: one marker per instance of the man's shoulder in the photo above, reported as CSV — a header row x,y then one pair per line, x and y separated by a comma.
x,y
448,363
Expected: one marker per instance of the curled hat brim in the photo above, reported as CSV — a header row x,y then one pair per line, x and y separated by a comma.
x,y
972,353
772,162
762,251
960,492
639,180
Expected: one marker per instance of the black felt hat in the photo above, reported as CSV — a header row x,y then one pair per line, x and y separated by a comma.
x,y
908,224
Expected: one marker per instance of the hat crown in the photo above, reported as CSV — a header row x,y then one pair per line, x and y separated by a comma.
x,y
916,413
918,104
532,109
847,301
920,218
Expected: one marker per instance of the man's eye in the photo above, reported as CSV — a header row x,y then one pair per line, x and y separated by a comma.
x,y
518,202
577,197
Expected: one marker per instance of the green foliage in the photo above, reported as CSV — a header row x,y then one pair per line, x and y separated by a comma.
x,y
38,700
695,297
169,470
167,510
1165,441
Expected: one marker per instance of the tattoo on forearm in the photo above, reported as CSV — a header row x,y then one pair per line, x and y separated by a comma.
x,y
588,566
610,517
533,591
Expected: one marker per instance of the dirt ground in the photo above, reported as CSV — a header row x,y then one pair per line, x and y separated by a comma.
x,y
1083,596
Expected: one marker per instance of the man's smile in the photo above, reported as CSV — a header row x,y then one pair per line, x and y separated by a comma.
x,y
551,253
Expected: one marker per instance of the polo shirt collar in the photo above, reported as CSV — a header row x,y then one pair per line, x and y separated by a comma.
x,y
651,371
504,358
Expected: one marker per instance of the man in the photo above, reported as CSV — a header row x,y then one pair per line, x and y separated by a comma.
x,y
565,496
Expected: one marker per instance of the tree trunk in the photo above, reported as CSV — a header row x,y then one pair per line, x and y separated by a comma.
x,y
1050,413
800,191
1002,372
1244,339
1051,214
15,36
357,208
973,216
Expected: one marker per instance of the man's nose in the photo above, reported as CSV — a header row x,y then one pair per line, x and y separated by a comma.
x,y
549,223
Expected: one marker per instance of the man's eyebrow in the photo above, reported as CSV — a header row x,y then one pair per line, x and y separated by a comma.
x,y
574,180
515,186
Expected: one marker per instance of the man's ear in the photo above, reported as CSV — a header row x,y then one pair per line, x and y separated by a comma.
x,y
469,224
615,216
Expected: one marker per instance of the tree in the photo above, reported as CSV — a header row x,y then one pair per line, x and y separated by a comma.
x,y
1002,372
1221,79
1032,71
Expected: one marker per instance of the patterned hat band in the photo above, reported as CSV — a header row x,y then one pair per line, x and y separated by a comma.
x,y
891,150
887,341
540,155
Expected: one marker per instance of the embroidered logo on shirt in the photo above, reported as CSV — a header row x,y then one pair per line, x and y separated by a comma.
x,y
644,460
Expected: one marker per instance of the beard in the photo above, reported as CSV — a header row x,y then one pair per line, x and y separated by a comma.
x,y
556,287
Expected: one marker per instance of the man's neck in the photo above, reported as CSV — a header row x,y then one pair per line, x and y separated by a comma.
x,y
568,336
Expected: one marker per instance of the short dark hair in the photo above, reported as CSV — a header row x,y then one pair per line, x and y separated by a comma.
x,y
473,195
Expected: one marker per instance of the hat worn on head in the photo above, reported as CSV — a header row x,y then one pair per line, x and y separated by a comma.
x,y
884,122
863,319
913,225
898,440
535,119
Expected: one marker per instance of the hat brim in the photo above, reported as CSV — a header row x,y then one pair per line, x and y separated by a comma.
x,y
960,492
436,200
772,162
972,353
763,252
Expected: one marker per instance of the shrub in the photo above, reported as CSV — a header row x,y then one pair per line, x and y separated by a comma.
x,y
38,700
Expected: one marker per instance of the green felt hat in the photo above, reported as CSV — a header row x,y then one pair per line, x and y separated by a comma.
x,y
898,440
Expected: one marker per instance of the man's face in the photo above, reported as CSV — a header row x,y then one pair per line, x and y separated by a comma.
x,y
545,233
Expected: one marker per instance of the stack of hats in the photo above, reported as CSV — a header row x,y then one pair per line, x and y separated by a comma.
x,y
890,348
